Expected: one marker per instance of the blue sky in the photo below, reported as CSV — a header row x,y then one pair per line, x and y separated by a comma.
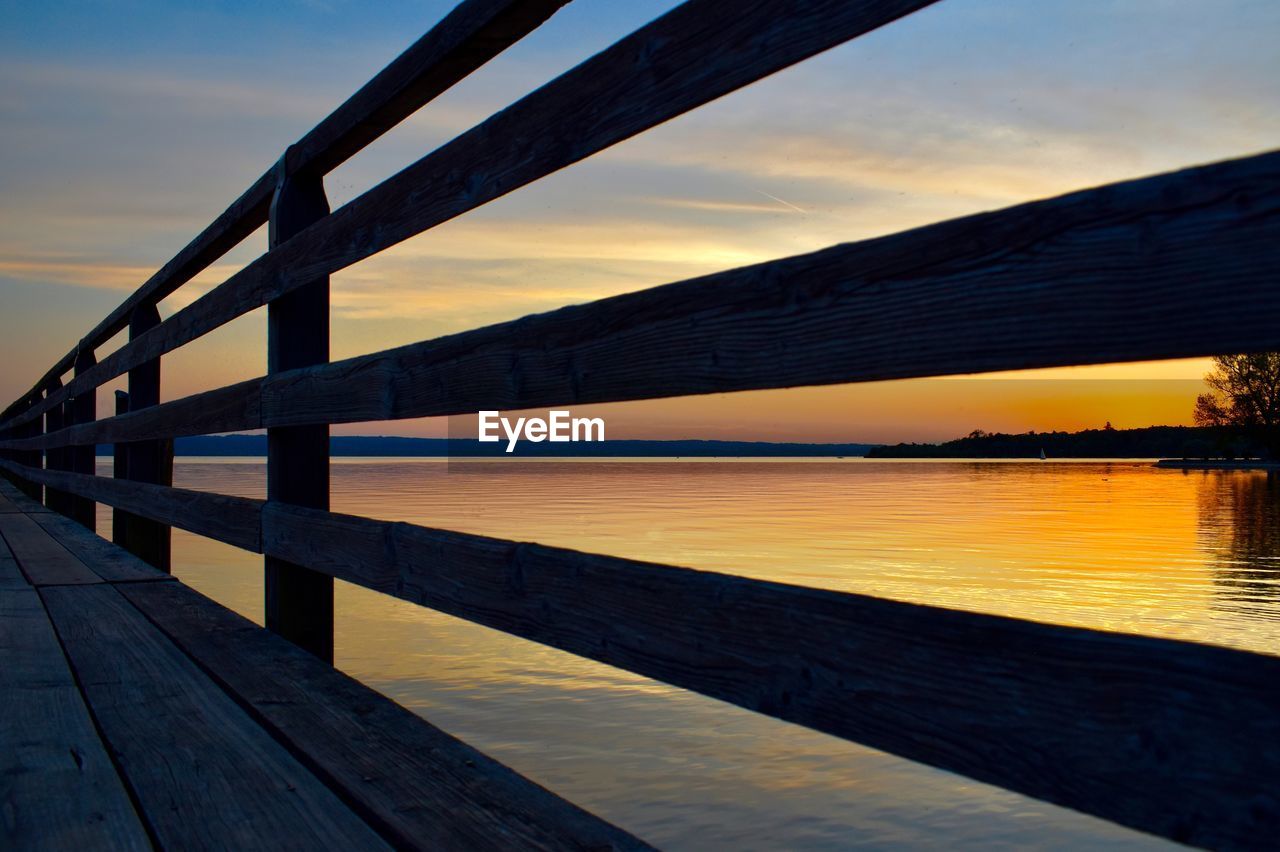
x,y
127,126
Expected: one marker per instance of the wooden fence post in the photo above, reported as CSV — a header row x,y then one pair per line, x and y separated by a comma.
x,y
24,457
148,461
83,409
32,458
120,470
299,602
11,455
55,458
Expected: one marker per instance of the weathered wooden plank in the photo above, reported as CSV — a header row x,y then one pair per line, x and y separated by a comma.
x,y
1174,738
58,788
43,560
1045,284
219,516
424,788
7,505
694,54
467,38
204,773
113,564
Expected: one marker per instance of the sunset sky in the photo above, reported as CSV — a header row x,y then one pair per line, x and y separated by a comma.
x,y
126,127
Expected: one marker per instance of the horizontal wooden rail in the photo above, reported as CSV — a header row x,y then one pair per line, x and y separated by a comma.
x,y
468,37
234,520
1177,265
199,414
694,54
1175,738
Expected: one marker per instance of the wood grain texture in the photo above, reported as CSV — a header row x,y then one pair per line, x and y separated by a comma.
x,y
218,516
696,53
205,774
58,788
1177,265
1173,738
468,37
43,560
425,789
113,564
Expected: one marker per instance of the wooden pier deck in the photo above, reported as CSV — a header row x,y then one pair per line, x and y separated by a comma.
x,y
139,713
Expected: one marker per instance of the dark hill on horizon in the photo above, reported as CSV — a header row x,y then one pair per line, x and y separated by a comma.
x,y
1148,442
392,446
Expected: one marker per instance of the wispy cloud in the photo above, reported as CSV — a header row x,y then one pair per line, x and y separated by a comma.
x,y
175,94
712,205
103,274
75,271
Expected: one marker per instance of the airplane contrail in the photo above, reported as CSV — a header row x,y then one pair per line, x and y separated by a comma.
x,y
780,201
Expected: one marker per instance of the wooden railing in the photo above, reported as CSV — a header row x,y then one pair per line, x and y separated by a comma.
x,y
1174,738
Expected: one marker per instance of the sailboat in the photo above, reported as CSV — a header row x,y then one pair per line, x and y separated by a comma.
x,y
1042,455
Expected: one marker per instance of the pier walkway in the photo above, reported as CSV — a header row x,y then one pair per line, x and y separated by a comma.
x,y
139,713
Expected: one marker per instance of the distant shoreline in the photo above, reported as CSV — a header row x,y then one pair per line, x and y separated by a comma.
x,y
1218,464
1202,446
1151,442
402,447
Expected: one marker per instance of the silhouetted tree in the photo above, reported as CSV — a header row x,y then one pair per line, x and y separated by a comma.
x,y
1245,394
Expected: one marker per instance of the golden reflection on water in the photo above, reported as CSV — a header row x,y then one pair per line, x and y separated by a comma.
x,y
1123,546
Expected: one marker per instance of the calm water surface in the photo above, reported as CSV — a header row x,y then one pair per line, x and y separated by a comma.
x,y
1113,545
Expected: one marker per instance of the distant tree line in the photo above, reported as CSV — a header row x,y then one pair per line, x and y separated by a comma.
x,y
1238,418
1150,442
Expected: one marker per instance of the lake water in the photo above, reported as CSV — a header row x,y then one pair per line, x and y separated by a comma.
x,y
1112,545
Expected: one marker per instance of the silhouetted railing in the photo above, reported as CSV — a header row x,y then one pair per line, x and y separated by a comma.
x,y
1174,738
